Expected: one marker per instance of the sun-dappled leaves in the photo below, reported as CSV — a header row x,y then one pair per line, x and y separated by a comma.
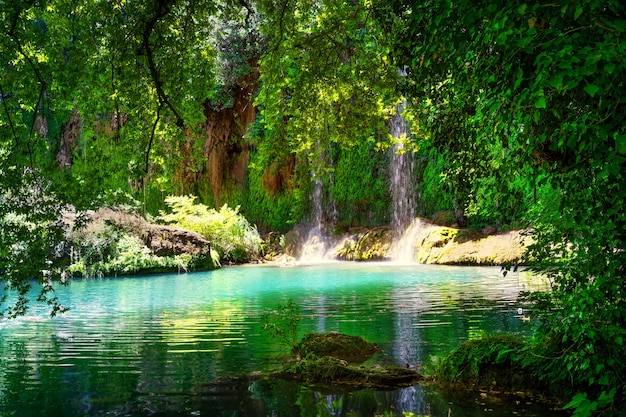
x,y
229,232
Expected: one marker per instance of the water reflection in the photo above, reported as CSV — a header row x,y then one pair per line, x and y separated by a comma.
x,y
186,344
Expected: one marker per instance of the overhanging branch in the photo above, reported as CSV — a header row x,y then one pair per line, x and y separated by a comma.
x,y
162,10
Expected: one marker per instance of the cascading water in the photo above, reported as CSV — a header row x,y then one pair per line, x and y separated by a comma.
x,y
404,198
318,243
316,246
402,166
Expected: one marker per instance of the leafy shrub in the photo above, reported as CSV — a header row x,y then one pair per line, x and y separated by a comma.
x,y
230,234
492,362
31,238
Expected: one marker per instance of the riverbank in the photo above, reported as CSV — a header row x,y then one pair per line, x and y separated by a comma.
x,y
114,242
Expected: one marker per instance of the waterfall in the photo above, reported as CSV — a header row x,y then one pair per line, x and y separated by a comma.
x,y
402,187
316,246
323,215
402,167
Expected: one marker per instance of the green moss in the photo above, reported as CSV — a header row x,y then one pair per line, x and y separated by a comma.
x,y
331,370
373,245
334,358
494,362
369,246
341,346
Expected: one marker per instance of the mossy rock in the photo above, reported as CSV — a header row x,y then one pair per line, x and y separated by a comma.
x,y
333,359
328,370
353,349
370,245
374,245
492,363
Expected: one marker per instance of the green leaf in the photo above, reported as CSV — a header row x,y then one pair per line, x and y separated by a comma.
x,y
540,103
620,143
557,81
592,89
578,12
610,67
519,75
620,25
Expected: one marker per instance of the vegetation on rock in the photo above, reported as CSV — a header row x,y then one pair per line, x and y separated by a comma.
x,y
112,242
330,358
334,371
344,347
495,363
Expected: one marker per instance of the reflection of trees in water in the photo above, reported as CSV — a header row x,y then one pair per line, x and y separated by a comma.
x,y
430,319
165,355
411,399
287,398
42,376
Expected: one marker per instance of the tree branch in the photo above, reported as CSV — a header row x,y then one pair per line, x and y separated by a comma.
x,y
6,110
163,10
281,24
156,122
42,82
249,9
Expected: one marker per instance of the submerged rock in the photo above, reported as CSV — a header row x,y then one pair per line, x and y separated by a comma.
x,y
331,370
334,358
500,364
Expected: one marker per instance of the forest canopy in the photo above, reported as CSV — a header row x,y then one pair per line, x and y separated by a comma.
x,y
516,112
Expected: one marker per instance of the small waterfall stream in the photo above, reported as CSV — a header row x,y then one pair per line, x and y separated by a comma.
x,y
402,166
316,245
323,212
404,198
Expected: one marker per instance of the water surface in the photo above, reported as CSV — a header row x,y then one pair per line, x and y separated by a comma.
x,y
180,345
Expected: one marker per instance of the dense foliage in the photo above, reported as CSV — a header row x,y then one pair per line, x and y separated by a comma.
x,y
537,88
516,112
31,236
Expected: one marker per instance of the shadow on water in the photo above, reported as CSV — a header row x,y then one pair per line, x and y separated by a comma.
x,y
169,345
